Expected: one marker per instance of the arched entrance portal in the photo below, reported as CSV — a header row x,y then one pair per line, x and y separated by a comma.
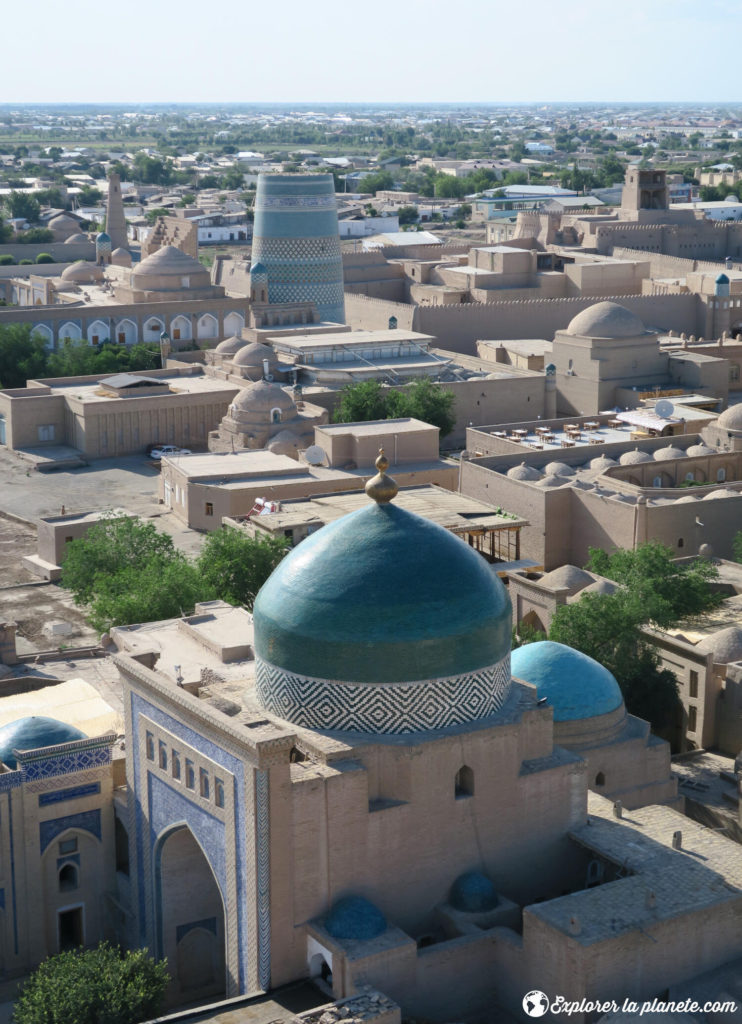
x,y
190,918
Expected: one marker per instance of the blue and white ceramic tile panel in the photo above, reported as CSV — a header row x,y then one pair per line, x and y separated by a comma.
x,y
235,839
397,708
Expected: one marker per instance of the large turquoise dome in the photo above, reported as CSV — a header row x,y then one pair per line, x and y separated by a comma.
x,y
576,685
33,733
378,598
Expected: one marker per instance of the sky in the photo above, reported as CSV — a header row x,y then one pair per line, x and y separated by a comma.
x,y
380,51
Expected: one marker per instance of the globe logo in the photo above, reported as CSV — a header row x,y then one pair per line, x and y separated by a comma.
x,y
535,1003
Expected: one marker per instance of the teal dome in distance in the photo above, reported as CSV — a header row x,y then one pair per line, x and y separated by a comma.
x,y
33,733
353,917
382,596
473,893
576,685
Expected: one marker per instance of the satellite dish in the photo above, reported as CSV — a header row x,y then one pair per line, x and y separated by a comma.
x,y
664,409
314,455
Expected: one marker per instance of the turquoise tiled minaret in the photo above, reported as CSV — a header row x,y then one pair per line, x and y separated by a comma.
x,y
296,239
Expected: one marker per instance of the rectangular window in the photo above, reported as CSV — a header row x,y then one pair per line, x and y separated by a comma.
x,y
693,684
219,792
150,743
67,846
46,432
209,508
691,719
163,755
175,765
190,775
204,783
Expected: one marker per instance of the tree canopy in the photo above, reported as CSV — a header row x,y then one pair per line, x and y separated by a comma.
x,y
21,204
422,400
125,571
22,355
103,985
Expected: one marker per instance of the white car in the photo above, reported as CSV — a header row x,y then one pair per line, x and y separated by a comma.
x,y
168,449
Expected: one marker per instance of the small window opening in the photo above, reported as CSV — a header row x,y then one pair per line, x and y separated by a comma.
x,y
464,782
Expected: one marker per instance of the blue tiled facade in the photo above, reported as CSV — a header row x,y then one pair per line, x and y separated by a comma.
x,y
296,240
87,821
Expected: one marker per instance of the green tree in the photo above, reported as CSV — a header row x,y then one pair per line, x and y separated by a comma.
x,y
22,355
407,215
6,232
90,196
667,590
235,566
380,181
163,587
737,547
103,985
22,205
35,235
361,402
431,403
423,400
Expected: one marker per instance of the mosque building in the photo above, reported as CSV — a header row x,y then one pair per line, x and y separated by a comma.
x,y
390,802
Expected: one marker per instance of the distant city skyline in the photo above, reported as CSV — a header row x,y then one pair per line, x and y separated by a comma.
x,y
638,51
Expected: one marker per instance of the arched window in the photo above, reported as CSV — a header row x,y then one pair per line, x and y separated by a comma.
x,y
275,415
464,782
175,765
721,475
218,792
150,747
657,482
600,779
68,878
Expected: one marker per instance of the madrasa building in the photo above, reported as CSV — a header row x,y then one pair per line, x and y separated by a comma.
x,y
390,802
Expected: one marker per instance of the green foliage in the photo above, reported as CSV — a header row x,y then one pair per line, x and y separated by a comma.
x,y
22,205
25,263
6,232
35,235
152,215
668,591
524,634
737,547
236,566
45,257
407,215
78,358
380,181
89,196
152,170
22,355
160,588
423,400
93,986
6,260
50,197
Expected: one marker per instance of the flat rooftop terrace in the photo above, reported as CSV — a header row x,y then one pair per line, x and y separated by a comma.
x,y
92,391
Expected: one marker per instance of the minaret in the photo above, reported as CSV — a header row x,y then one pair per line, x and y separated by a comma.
x,y
115,220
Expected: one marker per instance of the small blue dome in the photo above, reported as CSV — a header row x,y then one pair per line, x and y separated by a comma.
x,y
722,279
382,596
258,270
33,733
577,686
353,917
473,893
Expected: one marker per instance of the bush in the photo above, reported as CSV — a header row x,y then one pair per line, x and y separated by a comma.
x,y
35,235
6,260
25,263
93,986
45,257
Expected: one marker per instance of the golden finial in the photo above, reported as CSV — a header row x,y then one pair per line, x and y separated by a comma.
x,y
381,488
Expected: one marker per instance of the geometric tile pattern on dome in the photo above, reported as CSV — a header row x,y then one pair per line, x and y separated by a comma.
x,y
395,709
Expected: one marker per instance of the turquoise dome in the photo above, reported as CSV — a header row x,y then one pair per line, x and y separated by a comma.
x,y
258,270
473,893
353,917
577,686
382,596
33,733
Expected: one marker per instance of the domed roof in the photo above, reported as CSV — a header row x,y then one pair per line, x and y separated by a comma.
x,y
473,893
567,576
558,469
258,270
285,442
686,499
721,492
121,257
76,238
63,221
602,462
553,480
597,587
731,418
353,917
253,354
33,733
634,458
722,278
606,320
699,449
262,396
230,345
725,645
82,273
168,261
576,685
523,472
102,237
670,452
382,596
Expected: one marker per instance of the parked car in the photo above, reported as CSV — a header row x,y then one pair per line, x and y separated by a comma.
x,y
168,449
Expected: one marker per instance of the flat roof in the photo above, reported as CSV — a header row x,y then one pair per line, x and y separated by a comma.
x,y
226,464
385,427
350,338
93,391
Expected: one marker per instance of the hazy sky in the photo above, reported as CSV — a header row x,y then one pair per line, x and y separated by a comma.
x,y
392,51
